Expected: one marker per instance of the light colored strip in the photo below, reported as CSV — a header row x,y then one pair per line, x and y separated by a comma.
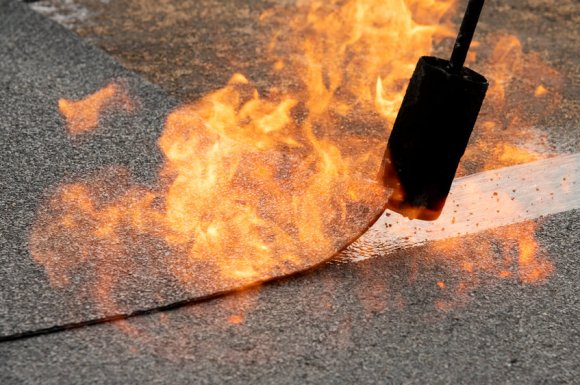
x,y
479,202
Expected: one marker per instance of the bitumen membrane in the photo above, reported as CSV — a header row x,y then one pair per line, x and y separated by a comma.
x,y
37,153
413,316
39,156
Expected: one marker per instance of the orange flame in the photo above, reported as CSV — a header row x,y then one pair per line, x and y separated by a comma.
x,y
83,115
360,53
256,185
232,198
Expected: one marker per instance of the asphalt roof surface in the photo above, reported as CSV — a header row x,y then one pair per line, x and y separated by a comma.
x,y
383,320
38,156
36,152
371,322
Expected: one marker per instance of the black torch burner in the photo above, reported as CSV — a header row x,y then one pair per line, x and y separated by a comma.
x,y
433,126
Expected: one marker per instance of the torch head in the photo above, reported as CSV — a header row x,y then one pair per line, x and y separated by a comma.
x,y
429,136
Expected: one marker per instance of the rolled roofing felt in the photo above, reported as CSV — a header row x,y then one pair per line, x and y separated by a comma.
x,y
432,128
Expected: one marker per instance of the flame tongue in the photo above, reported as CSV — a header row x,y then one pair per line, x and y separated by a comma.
x,y
360,53
234,168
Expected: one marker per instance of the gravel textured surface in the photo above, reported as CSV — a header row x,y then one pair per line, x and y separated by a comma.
x,y
379,321
415,316
37,153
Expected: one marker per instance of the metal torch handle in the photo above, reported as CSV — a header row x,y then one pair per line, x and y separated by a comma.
x,y
465,35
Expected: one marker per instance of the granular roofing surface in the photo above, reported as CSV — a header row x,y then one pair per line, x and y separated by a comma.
x,y
410,316
372,322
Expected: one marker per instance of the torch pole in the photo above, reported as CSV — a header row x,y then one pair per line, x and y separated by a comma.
x,y
465,35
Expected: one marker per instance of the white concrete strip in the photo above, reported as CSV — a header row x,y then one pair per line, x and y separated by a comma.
x,y
479,202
